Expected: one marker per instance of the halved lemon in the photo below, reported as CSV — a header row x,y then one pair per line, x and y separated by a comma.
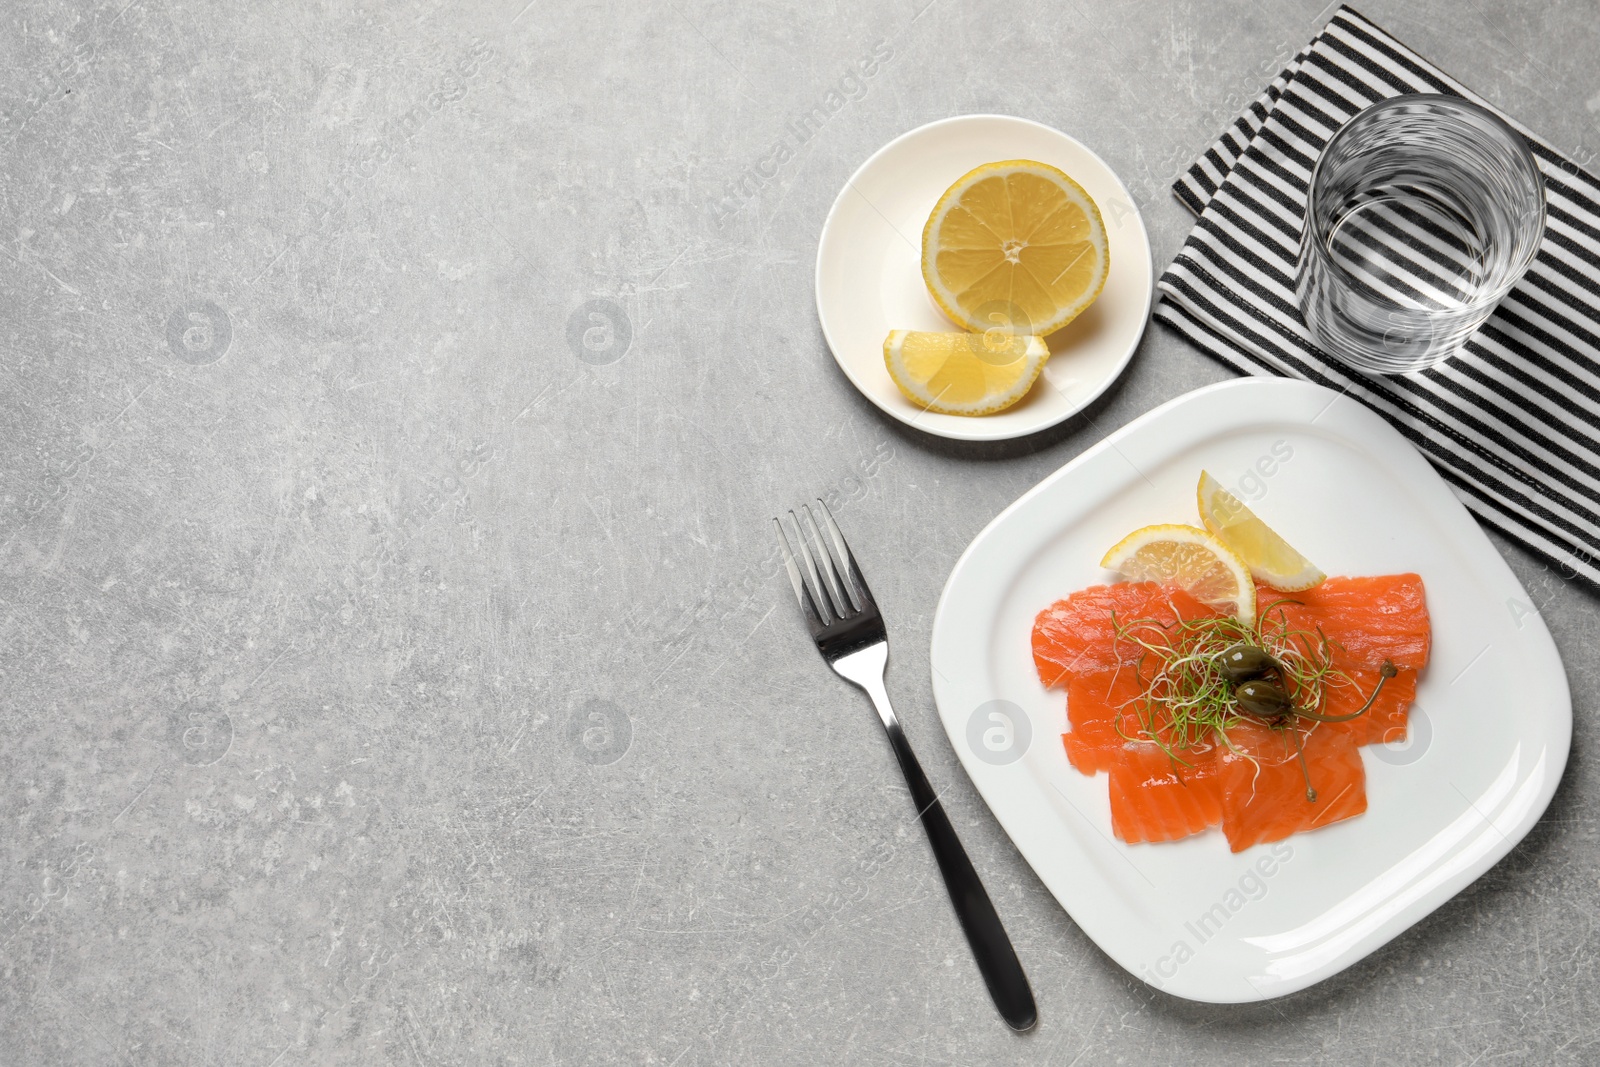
x,y
1017,246
1190,558
1270,558
964,373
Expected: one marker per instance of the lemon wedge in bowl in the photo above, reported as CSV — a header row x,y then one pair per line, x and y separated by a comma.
x,y
964,373
1016,246
1191,559
1271,559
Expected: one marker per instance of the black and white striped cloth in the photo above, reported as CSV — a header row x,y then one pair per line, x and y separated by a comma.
x,y
1513,421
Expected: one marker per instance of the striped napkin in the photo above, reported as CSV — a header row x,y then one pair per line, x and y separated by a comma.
x,y
1513,421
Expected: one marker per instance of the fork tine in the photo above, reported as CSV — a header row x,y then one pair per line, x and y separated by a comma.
x,y
813,581
858,584
830,569
801,593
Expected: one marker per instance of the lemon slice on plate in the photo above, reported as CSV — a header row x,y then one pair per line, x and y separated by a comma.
x,y
1190,558
1270,558
964,373
1015,245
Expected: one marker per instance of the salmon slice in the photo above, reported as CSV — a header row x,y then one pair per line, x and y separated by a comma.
x,y
1097,705
1152,801
1368,619
1264,793
1202,765
1380,724
1076,635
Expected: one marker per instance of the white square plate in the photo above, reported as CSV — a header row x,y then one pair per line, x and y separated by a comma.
x,y
1490,728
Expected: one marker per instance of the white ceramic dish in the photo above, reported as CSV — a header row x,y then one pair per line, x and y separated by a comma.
x,y
869,271
1490,730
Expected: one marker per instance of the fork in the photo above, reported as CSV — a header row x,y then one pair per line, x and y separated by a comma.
x,y
849,632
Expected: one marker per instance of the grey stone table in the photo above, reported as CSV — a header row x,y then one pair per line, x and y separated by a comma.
x,y
395,396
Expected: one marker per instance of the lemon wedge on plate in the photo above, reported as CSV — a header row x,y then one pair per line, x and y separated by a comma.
x,y
1017,246
964,373
1190,558
1271,559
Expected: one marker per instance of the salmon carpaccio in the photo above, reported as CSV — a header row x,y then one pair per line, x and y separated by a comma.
x,y
1252,787
1077,636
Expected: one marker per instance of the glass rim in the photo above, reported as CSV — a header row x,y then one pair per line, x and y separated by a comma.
x,y
1518,144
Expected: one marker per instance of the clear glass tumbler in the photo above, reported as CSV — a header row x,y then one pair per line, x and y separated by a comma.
x,y
1424,211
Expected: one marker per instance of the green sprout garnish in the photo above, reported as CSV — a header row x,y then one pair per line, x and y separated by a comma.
x,y
1192,694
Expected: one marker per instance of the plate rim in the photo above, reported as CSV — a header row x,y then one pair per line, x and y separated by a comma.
x,y
987,785
978,433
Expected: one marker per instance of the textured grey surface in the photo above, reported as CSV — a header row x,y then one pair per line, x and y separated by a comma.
x,y
383,683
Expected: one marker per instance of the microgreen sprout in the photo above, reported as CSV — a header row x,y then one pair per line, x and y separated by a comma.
x,y
1199,677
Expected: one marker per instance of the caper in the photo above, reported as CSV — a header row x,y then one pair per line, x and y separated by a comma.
x,y
1305,772
1243,662
1264,699
1387,671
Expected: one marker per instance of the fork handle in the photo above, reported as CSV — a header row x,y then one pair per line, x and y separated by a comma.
x,y
997,960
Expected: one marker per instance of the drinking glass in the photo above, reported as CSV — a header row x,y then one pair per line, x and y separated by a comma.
x,y
1424,211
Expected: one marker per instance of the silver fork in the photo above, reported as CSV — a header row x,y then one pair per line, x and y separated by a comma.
x,y
849,632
